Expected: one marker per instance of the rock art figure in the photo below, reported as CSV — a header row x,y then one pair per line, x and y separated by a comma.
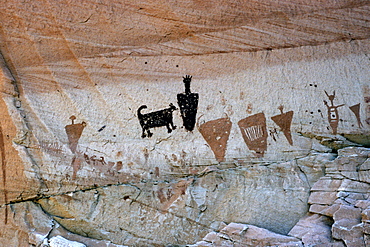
x,y
167,198
284,121
216,133
332,112
188,103
99,164
254,133
76,164
356,110
367,104
156,119
74,132
273,133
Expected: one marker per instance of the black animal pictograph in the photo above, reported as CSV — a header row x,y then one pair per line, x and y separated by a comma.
x,y
156,119
188,103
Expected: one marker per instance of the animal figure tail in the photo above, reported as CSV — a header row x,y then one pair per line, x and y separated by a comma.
x,y
139,110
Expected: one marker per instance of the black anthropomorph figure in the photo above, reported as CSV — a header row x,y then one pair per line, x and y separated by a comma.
x,y
156,119
188,103
332,112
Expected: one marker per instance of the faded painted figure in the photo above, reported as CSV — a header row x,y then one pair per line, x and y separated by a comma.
x,y
332,112
156,119
74,132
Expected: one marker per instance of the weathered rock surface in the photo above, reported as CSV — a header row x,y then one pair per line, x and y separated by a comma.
x,y
155,213
271,196
116,153
50,83
338,215
90,28
29,225
239,235
339,201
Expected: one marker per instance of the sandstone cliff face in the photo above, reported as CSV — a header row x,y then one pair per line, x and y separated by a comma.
x,y
247,104
163,214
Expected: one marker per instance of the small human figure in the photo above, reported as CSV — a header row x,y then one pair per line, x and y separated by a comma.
x,y
332,112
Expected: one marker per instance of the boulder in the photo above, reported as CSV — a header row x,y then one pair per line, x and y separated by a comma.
x,y
313,230
59,241
236,234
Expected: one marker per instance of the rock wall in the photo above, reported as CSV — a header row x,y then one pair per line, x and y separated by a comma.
x,y
338,214
319,200
159,124
238,117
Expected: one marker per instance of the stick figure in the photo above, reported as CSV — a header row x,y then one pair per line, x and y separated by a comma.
x,y
332,112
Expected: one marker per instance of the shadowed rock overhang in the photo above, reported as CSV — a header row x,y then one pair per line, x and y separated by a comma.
x,y
146,28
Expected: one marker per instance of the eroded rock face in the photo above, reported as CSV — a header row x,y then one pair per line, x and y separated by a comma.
x,y
273,196
29,225
78,126
155,213
109,148
339,201
239,235
88,28
338,214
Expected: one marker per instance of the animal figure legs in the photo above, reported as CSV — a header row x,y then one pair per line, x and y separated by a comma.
x,y
156,119
148,133
169,129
